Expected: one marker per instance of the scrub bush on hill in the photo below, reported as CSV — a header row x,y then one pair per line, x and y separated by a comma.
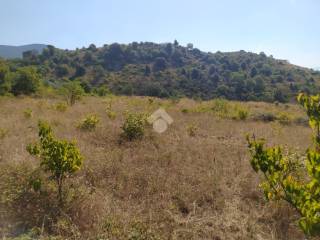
x,y
134,126
89,123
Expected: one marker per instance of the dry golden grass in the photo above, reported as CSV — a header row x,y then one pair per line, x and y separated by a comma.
x,y
174,185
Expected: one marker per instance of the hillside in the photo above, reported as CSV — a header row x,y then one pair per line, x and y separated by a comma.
x,y
11,52
192,182
172,70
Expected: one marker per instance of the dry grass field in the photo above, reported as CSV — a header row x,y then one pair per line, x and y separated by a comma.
x,y
175,185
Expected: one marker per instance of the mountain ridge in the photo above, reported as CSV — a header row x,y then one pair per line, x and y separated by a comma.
x,y
11,51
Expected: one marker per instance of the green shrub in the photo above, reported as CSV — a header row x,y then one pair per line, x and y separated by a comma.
x,y
220,105
287,178
58,157
133,126
192,130
150,101
72,91
243,114
27,113
3,133
184,110
111,114
102,91
61,107
284,118
89,122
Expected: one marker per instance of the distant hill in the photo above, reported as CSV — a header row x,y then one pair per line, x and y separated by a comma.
x,y
172,70
11,52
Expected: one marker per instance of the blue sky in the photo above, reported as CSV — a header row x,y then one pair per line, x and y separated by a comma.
x,y
286,29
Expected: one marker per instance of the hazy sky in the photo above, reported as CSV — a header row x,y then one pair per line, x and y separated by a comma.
x,y
286,29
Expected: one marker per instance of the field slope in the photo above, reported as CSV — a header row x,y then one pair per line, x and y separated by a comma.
x,y
175,185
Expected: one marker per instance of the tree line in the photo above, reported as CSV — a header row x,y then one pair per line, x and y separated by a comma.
x,y
161,70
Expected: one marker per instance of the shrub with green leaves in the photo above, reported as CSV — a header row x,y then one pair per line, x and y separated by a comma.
x,y
133,126
284,118
27,113
72,91
89,122
111,114
3,133
220,107
192,130
286,178
61,107
60,158
242,114
184,110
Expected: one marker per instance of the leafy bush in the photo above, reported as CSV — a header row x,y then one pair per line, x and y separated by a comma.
x,y
192,130
133,126
184,110
111,114
61,107
72,92
26,81
58,157
243,114
220,107
284,118
283,180
3,133
27,113
102,91
89,122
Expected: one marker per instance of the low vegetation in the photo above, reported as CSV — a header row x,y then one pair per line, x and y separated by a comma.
x,y
191,182
89,122
133,126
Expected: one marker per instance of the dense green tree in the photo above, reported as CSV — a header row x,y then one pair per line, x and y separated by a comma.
x,y
160,64
147,71
62,70
25,81
253,72
280,96
72,91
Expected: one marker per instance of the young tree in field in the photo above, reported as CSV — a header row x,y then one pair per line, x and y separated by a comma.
x,y
72,91
58,157
25,81
282,173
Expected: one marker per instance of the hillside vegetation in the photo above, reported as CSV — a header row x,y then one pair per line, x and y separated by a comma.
x,y
166,70
192,182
